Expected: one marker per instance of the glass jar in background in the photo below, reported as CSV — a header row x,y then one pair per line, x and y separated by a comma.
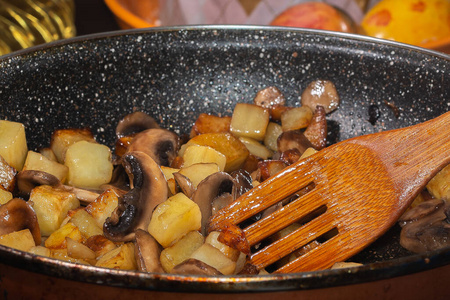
x,y
25,23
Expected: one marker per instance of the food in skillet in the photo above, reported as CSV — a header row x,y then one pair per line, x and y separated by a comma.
x,y
146,206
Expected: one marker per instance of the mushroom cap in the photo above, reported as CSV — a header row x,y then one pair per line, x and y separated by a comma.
x,y
147,252
293,139
426,227
16,215
133,123
184,183
194,266
29,179
210,188
135,208
160,144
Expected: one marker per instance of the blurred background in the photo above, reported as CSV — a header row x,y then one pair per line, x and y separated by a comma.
x,y
25,23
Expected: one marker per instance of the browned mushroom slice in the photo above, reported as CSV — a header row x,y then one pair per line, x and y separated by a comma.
x,y
317,130
134,123
243,182
210,188
293,139
185,184
29,179
135,208
16,215
194,266
426,227
290,156
160,144
323,93
269,97
147,252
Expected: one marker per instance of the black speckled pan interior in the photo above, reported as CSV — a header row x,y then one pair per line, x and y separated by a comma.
x,y
176,73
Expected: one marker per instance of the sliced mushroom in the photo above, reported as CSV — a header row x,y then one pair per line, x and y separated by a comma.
x,y
323,93
160,144
147,252
135,208
135,122
293,139
243,182
426,227
194,266
210,188
185,184
269,97
16,215
29,179
7,175
317,130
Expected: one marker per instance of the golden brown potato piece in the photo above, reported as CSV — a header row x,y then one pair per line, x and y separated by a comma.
x,y
13,143
206,123
63,138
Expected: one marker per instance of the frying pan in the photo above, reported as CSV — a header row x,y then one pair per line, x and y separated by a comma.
x,y
176,73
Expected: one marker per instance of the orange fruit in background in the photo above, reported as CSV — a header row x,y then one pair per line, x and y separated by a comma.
x,y
416,22
316,15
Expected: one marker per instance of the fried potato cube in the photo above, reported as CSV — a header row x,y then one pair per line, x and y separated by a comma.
x,y
174,218
38,162
64,138
256,148
168,172
48,153
249,120
62,254
86,223
103,206
51,206
308,152
206,123
181,250
119,258
89,164
21,240
228,251
273,131
227,144
57,240
195,154
78,250
41,250
197,172
212,256
13,143
296,118
439,185
5,196
100,245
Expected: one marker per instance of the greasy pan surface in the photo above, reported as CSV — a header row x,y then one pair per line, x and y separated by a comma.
x,y
174,74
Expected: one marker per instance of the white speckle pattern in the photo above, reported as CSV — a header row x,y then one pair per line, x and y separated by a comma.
x,y
175,74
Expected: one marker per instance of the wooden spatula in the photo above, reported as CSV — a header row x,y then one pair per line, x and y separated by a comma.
x,y
351,193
